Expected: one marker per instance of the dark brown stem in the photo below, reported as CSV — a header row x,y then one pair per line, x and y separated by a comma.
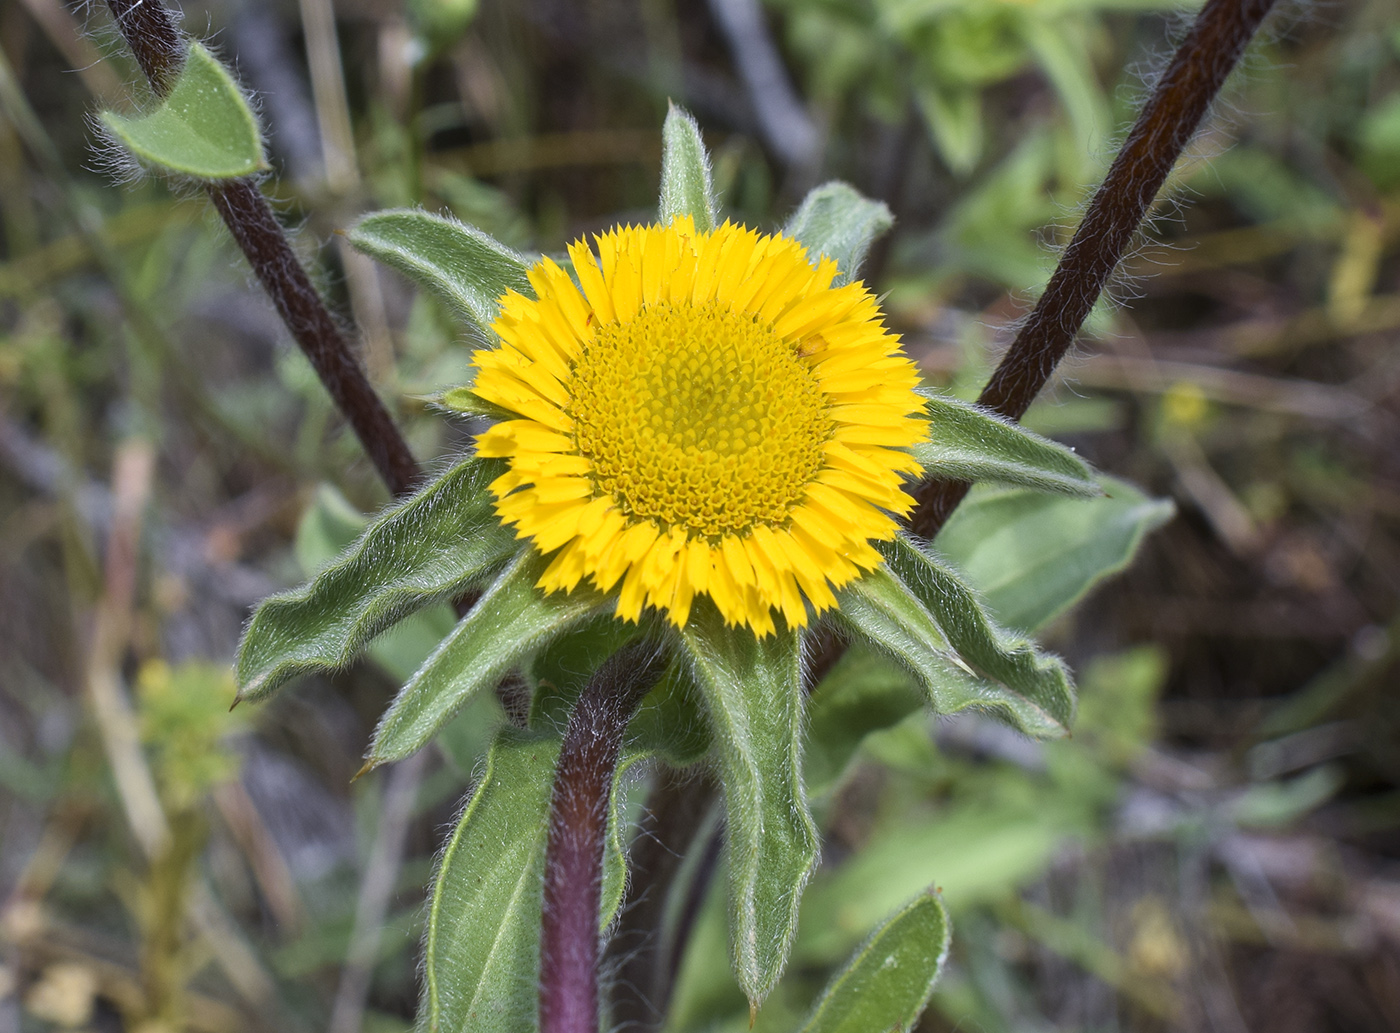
x,y
1163,129
150,31
578,822
250,219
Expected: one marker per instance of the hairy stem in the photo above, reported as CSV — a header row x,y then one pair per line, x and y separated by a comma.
x,y
150,31
578,821
1163,129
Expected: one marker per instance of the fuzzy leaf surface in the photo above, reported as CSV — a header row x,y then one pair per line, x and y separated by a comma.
x,y
429,548
753,694
1032,556
509,622
883,609
839,222
891,976
482,949
1013,661
686,188
967,443
203,128
466,267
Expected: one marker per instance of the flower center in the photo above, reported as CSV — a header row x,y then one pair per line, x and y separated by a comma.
x,y
700,417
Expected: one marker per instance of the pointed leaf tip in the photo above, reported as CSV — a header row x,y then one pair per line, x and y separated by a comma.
x,y
428,548
686,186
968,443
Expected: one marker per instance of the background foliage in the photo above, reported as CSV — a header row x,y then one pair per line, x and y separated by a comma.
x,y
1216,847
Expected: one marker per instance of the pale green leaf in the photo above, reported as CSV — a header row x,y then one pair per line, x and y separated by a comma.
x,y
467,268
883,609
686,188
203,128
481,955
954,117
835,220
889,979
1016,663
427,549
753,694
1032,556
482,949
967,443
509,622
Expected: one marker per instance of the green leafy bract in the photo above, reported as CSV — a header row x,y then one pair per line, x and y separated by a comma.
x,y
467,268
884,610
686,188
429,548
203,128
1032,556
482,949
1016,663
507,624
890,977
835,220
753,694
966,443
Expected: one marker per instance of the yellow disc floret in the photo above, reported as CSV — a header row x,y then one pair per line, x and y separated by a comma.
x,y
713,439
706,415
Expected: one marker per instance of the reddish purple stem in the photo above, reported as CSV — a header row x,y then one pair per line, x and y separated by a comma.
x,y
570,943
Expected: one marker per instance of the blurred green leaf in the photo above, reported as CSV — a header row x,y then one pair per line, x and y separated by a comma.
x,y
888,981
836,221
203,128
429,548
954,117
1032,556
685,173
441,22
753,692
508,623
470,270
863,693
967,443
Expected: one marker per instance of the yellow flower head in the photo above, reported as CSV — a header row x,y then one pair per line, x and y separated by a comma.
x,y
707,415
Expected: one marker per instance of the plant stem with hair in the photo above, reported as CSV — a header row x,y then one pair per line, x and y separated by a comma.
x,y
150,31
570,942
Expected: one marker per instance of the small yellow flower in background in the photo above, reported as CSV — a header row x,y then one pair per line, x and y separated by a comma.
x,y
707,416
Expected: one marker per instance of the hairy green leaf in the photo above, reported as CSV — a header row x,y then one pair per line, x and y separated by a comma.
x,y
835,220
890,977
467,268
881,608
753,693
428,548
1039,678
967,443
685,173
203,128
482,948
1032,556
506,625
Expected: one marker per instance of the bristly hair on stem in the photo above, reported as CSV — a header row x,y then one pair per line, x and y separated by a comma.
x,y
570,942
150,30
1165,126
